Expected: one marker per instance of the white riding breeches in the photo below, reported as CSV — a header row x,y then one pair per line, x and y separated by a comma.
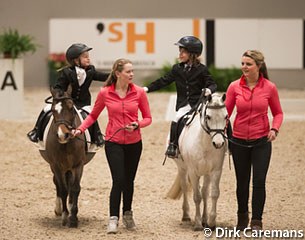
x,y
181,112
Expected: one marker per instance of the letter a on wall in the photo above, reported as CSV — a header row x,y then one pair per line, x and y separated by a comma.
x,y
11,90
9,81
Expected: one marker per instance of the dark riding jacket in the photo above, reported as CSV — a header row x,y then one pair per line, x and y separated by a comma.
x,y
80,94
189,84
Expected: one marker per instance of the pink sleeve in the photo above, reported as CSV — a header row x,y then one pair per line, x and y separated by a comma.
x,y
99,105
276,109
145,110
230,99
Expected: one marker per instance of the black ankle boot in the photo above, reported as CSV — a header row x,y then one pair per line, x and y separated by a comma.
x,y
256,224
33,135
171,151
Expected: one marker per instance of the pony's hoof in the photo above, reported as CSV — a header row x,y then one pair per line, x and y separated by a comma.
x,y
73,223
212,228
198,228
64,222
57,214
64,218
186,219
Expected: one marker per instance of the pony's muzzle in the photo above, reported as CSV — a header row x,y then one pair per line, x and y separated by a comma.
x,y
63,135
218,145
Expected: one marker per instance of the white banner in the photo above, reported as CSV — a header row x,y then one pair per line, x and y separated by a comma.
x,y
280,40
149,43
11,90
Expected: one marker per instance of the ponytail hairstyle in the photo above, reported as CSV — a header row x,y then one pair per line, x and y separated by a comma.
x,y
118,66
194,59
259,59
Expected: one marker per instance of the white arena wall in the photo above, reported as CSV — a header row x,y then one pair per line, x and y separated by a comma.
x,y
274,26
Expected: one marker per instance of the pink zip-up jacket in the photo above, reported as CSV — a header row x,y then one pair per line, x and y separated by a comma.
x,y
121,112
251,121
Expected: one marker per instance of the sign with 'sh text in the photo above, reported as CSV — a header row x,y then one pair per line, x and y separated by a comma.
x,y
148,43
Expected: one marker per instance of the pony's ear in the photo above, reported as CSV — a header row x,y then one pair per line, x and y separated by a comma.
x,y
224,97
69,90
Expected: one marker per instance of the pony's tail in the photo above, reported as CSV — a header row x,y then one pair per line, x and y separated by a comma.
x,y
175,191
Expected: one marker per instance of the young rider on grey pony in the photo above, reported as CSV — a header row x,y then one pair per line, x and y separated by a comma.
x,y
191,78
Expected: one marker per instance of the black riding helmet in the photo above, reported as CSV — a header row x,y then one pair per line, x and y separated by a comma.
x,y
191,44
75,50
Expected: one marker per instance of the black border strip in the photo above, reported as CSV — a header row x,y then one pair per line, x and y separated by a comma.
x,y
303,43
210,42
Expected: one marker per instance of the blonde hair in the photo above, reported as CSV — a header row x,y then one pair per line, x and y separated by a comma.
x,y
259,59
117,66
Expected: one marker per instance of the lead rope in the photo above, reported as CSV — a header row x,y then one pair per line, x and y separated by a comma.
x,y
120,129
261,142
230,160
165,157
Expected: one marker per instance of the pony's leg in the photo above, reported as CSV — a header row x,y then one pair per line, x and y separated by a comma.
x,y
197,200
62,194
215,179
205,194
74,190
184,187
58,202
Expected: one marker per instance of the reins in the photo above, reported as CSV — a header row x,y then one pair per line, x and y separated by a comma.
x,y
118,130
261,141
72,126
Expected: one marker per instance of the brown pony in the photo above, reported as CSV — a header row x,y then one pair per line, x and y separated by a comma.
x,y
66,155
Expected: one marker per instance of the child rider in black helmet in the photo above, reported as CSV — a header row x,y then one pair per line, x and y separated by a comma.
x,y
80,74
191,78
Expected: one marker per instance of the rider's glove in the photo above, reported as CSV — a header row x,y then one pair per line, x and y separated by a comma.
x,y
207,91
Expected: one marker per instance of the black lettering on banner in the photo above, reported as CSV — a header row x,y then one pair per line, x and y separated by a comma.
x,y
210,42
9,75
304,44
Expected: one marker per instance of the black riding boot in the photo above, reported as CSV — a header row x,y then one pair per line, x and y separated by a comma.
x,y
97,136
171,151
33,135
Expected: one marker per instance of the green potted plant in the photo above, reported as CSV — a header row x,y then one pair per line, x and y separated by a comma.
x,y
14,45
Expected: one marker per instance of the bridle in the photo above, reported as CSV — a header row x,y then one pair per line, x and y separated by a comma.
x,y
69,124
205,126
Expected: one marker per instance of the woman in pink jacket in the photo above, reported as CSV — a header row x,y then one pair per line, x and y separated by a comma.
x,y
123,144
252,95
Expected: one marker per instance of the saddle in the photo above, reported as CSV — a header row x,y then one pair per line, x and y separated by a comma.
x,y
181,123
185,120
